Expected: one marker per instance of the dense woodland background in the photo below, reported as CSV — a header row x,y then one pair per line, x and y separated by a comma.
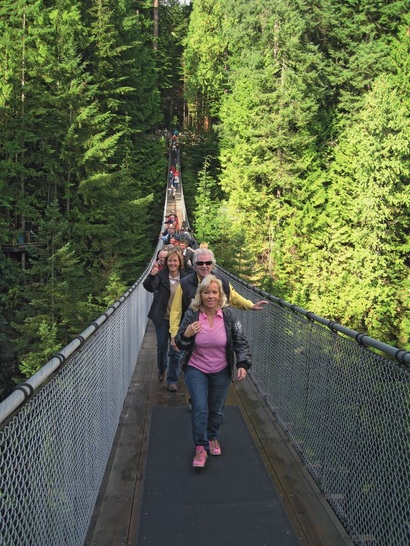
x,y
295,122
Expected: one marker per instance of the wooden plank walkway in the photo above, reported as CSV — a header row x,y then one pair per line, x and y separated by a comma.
x,y
115,520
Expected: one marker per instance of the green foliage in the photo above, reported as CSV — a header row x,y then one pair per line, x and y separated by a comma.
x,y
10,290
194,148
79,168
369,209
310,102
173,27
206,212
47,346
205,60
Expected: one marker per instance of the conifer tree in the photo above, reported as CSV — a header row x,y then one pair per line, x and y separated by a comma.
x,y
205,62
78,165
300,81
207,206
363,272
173,27
269,124
113,187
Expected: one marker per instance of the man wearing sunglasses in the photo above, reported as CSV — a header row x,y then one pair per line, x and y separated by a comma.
x,y
203,263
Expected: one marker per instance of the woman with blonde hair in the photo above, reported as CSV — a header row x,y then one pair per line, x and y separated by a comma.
x,y
211,336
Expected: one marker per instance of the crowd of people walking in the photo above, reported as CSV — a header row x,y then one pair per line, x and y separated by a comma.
x,y
197,333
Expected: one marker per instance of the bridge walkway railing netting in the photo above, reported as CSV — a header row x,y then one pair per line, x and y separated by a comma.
x,y
54,450
342,399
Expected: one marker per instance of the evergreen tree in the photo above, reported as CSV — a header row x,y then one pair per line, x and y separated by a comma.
x,y
298,79
269,127
363,272
117,178
207,207
205,60
173,27
55,309
78,166
10,283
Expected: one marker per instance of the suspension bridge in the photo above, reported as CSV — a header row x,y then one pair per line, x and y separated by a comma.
x,y
94,451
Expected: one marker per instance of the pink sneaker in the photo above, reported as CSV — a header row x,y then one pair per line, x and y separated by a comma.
x,y
200,457
214,447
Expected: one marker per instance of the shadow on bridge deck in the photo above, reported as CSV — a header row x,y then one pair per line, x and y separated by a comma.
x,y
116,518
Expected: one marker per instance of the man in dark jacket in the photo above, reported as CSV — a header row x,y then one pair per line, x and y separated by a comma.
x,y
187,253
204,261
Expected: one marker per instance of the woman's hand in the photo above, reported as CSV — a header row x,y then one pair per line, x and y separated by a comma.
x,y
154,270
242,373
193,329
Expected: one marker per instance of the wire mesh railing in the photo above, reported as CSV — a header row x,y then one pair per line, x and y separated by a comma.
x,y
344,407
54,451
341,397
55,443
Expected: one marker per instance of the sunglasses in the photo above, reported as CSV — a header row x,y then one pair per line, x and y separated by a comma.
x,y
209,262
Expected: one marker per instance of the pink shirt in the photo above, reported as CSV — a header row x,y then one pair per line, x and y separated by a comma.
x,y
209,354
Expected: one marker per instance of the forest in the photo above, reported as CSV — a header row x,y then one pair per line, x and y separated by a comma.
x,y
295,127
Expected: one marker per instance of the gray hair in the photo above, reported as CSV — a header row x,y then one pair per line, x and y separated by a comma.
x,y
199,252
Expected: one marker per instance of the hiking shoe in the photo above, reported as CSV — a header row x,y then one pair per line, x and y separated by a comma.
x,y
214,447
200,457
172,387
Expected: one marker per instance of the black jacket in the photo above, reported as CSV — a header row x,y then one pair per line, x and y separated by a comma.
x,y
189,286
159,285
237,344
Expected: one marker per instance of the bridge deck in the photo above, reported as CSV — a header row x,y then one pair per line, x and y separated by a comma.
x,y
115,520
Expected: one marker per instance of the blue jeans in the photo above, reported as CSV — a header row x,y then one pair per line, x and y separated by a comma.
x,y
166,355
174,359
208,394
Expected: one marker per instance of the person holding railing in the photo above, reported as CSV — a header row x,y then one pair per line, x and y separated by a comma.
x,y
210,335
164,284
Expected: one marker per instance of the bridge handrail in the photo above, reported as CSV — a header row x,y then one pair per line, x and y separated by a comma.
x,y
24,390
55,447
400,355
342,400
58,427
